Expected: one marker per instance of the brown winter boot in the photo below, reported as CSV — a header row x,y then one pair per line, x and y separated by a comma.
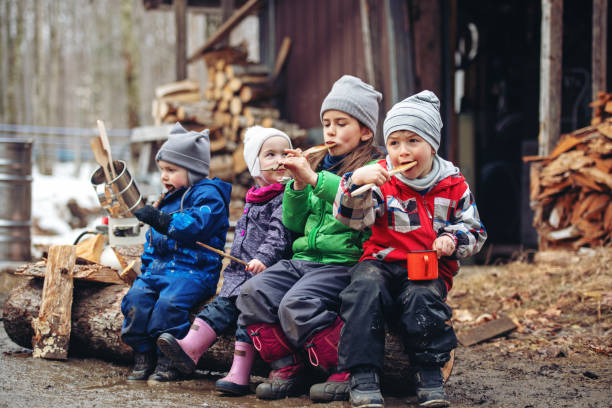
x,y
144,364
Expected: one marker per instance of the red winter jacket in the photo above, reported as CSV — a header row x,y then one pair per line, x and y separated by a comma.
x,y
404,220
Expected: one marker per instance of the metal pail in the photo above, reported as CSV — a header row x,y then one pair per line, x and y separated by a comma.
x,y
119,197
16,205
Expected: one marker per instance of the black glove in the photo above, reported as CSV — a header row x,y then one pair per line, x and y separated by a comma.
x,y
155,218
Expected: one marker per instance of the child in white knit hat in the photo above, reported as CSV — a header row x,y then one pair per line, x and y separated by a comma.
x,y
261,240
426,207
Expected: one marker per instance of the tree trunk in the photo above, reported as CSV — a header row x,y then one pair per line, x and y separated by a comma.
x,y
96,328
132,63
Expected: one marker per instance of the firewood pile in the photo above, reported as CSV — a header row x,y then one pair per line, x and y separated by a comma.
x,y
571,189
237,95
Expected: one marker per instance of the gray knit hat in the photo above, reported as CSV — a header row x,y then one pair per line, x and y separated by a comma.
x,y
418,113
187,149
351,95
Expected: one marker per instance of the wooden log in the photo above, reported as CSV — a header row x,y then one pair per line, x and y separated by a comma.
x,y
91,248
223,106
261,112
96,329
256,92
220,79
235,106
494,328
52,326
229,55
200,113
240,70
89,272
187,85
183,97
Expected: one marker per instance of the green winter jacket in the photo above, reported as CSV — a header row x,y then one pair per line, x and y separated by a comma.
x,y
309,212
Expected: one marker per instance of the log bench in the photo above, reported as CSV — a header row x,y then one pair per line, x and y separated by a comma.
x,y
96,327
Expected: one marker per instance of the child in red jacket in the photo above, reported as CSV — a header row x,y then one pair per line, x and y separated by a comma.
x,y
428,206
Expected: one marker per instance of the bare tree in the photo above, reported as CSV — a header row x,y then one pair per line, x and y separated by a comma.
x,y
131,60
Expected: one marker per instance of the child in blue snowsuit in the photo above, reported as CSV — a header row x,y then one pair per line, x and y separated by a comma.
x,y
177,274
261,240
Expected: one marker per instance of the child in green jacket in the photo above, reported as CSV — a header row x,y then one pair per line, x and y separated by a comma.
x,y
294,304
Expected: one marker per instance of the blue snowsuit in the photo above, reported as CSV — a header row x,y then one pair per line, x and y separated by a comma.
x,y
177,274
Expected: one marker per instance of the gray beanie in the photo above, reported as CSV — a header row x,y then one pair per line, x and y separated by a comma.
x,y
351,95
418,113
187,149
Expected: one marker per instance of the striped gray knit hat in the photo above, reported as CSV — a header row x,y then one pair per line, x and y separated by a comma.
x,y
418,113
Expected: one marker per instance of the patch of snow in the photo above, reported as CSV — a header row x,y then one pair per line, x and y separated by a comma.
x,y
50,195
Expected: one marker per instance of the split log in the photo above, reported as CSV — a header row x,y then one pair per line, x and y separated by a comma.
x,y
256,92
187,85
89,272
52,325
91,248
96,328
240,70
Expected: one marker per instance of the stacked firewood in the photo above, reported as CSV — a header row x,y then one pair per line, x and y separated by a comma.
x,y
571,189
237,95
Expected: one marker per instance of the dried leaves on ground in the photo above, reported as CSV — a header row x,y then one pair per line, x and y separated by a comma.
x,y
561,302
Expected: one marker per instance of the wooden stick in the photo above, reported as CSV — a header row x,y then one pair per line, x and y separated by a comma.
x,y
106,145
318,148
396,170
306,152
222,253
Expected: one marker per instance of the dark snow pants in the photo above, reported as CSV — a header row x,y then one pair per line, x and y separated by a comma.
x,y
303,297
381,292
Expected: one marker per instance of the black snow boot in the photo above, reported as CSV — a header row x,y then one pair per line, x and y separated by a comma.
x,y
430,387
365,388
144,364
165,371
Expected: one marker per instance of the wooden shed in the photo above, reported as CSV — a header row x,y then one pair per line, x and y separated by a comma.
x,y
511,76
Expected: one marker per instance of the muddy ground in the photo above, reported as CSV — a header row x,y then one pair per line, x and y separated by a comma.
x,y
534,366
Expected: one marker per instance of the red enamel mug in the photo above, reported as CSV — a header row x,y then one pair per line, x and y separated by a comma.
x,y
422,265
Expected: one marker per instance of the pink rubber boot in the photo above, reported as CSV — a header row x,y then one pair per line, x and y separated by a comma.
x,y
237,380
185,353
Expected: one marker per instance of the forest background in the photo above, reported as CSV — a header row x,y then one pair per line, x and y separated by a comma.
x,y
67,63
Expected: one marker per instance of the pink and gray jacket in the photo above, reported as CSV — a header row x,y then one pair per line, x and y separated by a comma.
x,y
260,234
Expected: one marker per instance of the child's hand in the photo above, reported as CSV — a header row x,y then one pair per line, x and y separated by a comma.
x,y
300,170
255,266
444,246
155,218
372,174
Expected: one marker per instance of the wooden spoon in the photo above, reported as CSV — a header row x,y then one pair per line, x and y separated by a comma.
x,y
106,145
396,170
101,157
